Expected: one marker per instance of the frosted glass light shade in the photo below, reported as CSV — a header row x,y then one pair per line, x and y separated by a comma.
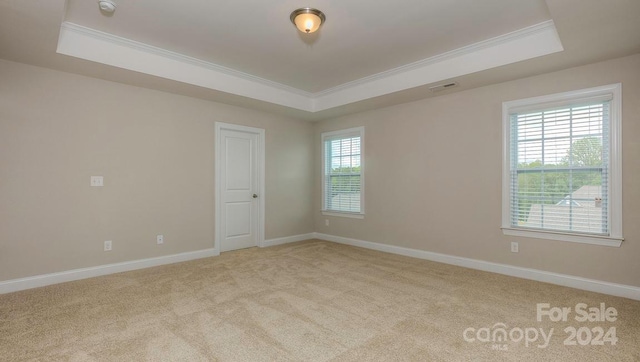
x,y
307,20
307,23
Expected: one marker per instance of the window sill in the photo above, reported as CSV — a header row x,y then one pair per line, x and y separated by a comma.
x,y
576,238
351,215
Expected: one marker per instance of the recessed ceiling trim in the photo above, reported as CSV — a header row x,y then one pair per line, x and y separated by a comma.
x,y
527,43
90,44
544,27
99,35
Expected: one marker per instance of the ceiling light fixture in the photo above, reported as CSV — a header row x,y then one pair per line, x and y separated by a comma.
x,y
307,20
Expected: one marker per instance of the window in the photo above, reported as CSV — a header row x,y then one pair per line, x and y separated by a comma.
x,y
562,167
342,172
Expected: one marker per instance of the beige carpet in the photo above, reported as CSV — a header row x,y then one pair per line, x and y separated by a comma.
x,y
307,301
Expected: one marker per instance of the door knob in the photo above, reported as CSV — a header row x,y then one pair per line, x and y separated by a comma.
x,y
255,196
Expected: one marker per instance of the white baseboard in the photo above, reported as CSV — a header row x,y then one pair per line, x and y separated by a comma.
x,y
15,285
620,290
287,239
592,285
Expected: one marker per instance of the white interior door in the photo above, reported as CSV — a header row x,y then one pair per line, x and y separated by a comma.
x,y
240,189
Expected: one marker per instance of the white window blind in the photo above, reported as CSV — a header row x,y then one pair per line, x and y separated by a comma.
x,y
559,170
562,166
342,171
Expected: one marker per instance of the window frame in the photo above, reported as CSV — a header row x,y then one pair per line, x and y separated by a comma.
x,y
344,133
614,212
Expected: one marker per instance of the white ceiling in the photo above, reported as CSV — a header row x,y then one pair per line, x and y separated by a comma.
x,y
256,36
367,54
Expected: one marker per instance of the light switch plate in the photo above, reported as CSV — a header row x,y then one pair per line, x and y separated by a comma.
x,y
97,181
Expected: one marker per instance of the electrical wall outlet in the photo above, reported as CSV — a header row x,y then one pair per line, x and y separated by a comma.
x,y
514,247
160,239
326,222
107,245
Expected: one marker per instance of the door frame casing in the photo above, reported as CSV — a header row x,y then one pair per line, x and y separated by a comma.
x,y
219,126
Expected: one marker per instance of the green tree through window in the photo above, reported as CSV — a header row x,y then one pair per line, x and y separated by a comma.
x,y
549,185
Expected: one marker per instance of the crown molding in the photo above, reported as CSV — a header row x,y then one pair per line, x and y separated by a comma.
x,y
90,44
523,44
99,35
469,49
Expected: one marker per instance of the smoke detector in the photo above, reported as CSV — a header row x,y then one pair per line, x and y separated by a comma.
x,y
107,6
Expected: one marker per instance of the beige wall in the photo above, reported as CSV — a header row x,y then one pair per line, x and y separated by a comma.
x,y
433,173
433,176
156,152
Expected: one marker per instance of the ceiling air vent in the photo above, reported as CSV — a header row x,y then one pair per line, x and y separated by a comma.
x,y
440,87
